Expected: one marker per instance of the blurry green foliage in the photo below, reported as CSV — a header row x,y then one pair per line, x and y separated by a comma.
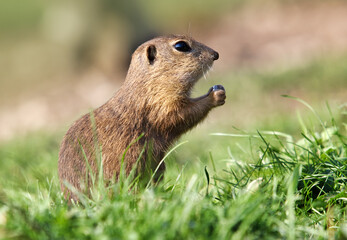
x,y
20,16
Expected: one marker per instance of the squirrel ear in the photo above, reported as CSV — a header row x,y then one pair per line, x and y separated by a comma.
x,y
151,54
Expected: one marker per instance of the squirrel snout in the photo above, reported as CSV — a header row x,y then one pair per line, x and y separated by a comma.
x,y
215,55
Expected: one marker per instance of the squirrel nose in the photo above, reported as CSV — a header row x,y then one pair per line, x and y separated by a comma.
x,y
215,55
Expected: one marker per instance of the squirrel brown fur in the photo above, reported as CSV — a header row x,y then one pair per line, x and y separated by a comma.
x,y
154,102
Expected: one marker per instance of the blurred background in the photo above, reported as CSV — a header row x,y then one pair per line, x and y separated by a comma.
x,y
59,59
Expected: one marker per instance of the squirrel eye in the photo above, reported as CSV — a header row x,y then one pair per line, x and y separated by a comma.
x,y
182,46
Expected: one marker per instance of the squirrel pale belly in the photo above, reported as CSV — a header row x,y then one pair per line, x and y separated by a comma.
x,y
154,102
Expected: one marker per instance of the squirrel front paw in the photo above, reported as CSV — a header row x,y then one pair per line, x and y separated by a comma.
x,y
217,95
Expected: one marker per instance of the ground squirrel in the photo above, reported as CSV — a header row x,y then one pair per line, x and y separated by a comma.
x,y
154,102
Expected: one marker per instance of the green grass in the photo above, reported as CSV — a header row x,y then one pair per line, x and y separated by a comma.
x,y
275,188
